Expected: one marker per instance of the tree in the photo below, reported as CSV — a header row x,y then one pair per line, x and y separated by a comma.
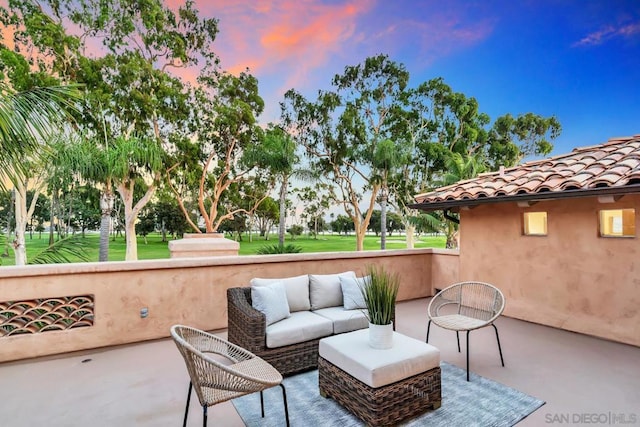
x,y
137,162
267,214
206,164
278,154
295,230
237,225
130,92
342,224
513,138
27,119
33,107
169,216
120,165
147,223
316,201
251,195
342,129
436,122
459,168
7,222
388,156
395,222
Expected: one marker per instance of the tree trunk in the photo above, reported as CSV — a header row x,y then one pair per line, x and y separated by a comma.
x,y
131,253
383,219
19,248
23,217
53,217
452,241
315,228
410,238
131,214
106,206
5,254
283,210
361,231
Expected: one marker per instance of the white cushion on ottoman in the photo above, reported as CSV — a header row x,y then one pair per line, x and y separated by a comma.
x,y
376,368
301,326
344,320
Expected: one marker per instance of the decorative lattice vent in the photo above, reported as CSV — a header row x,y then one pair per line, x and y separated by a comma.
x,y
45,314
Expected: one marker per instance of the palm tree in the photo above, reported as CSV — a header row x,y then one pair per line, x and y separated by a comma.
x,y
278,154
116,166
28,119
84,158
386,158
460,168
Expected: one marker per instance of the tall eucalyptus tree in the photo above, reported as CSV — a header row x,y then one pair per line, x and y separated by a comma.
x,y
342,129
218,151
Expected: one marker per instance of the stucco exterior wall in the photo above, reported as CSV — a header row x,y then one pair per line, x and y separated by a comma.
x,y
186,291
571,278
444,268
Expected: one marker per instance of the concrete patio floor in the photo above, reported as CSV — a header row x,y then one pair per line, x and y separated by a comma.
x,y
581,378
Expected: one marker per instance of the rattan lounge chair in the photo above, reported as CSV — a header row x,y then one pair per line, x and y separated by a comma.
x,y
220,370
466,306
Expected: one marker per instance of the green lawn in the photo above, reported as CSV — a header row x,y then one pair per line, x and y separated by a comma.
x,y
156,249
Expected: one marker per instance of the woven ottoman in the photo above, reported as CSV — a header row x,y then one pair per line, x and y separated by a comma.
x,y
381,387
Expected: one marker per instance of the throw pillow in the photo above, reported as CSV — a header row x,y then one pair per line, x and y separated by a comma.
x,y
271,300
352,293
325,290
297,290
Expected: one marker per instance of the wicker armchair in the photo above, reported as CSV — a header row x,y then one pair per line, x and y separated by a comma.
x,y
464,307
221,371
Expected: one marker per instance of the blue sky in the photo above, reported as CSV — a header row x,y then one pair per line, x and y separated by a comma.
x,y
577,60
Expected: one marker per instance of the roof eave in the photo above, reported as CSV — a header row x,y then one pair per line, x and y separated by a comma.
x,y
536,197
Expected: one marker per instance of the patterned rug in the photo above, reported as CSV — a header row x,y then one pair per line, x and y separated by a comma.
x,y
480,402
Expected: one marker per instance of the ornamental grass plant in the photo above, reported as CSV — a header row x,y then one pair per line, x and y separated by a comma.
x,y
380,293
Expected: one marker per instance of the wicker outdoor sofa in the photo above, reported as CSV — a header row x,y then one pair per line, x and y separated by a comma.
x,y
319,308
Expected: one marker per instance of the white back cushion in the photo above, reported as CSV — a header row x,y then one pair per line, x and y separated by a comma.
x,y
297,289
271,300
325,289
351,291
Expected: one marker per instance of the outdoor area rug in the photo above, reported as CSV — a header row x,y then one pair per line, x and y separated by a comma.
x,y
480,402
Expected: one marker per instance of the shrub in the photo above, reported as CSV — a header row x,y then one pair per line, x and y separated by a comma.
x,y
277,249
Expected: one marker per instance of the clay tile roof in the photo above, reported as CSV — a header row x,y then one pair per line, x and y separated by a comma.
x,y
614,165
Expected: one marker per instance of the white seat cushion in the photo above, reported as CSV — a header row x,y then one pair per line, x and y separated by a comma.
x,y
458,322
325,289
344,320
299,327
376,368
297,288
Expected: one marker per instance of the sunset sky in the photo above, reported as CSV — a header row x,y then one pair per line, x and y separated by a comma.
x,y
576,59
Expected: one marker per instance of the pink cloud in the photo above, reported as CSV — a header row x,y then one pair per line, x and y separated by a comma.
x,y
609,32
292,35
